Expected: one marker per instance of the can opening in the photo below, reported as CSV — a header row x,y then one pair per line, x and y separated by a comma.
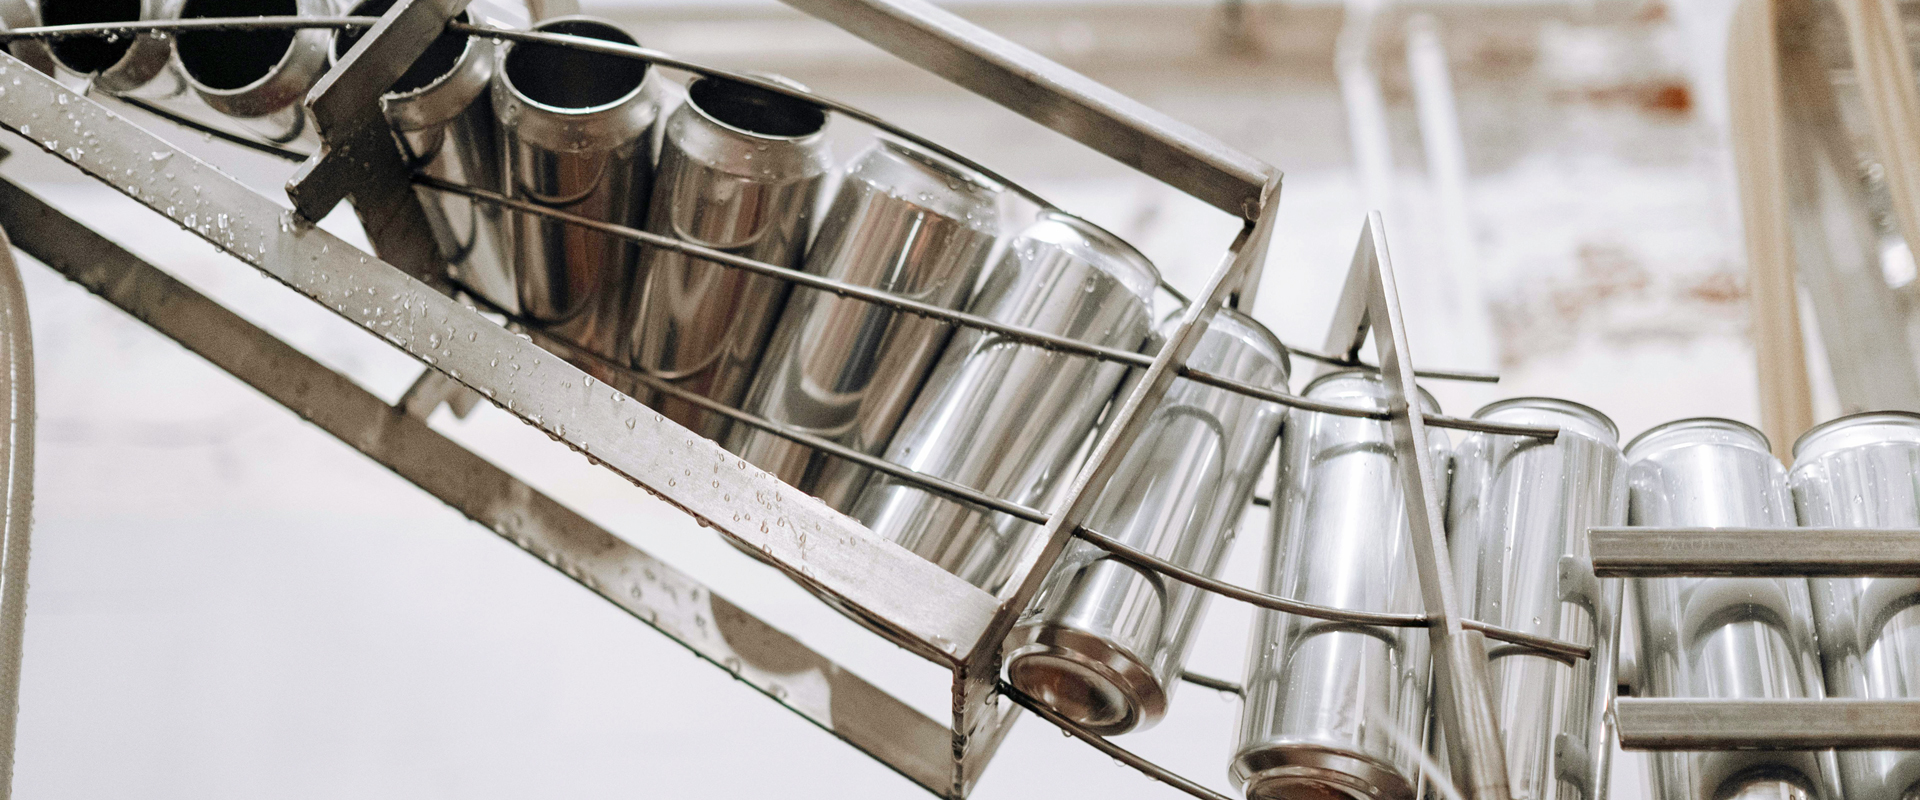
x,y
564,77
89,54
228,60
755,110
439,59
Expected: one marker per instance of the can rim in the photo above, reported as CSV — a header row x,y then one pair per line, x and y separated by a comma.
x,y
1575,407
271,74
780,79
1724,422
1372,376
1284,357
1847,421
646,67
1103,236
333,57
906,148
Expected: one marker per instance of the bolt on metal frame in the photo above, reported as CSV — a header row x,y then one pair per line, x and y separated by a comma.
x,y
912,602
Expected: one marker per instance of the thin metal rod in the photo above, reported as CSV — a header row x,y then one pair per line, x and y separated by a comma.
x,y
1671,723
1027,335
16,479
1216,684
177,25
1102,744
218,133
1553,648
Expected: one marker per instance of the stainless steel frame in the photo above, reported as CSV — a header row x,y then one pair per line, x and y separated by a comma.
x,y
908,600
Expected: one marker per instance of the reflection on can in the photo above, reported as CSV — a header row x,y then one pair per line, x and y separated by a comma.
x,y
1007,418
1332,709
139,65
739,171
257,77
904,221
1104,642
1859,472
1517,531
1729,638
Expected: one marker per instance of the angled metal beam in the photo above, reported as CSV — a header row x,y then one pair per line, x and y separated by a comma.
x,y
929,611
1648,723
1755,552
673,603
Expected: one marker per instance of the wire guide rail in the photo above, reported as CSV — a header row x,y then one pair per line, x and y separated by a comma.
x,y
404,297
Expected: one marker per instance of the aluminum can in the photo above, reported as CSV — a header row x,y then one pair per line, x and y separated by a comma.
x,y
740,171
122,65
905,221
259,78
1517,531
446,132
1104,642
1859,471
1334,709
1725,638
576,131
1007,418
26,14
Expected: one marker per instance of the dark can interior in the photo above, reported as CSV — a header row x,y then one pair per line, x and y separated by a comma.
x,y
755,110
564,77
89,54
439,59
229,60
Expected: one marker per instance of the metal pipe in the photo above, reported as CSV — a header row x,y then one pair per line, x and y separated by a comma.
x,y
16,388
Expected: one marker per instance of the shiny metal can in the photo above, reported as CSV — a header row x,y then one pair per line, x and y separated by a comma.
x,y
576,130
1104,642
905,221
1007,418
1859,471
447,132
1333,709
1517,530
119,65
1728,638
260,78
740,171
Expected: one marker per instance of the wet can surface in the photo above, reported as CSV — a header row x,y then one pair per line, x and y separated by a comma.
x,y
1860,471
1007,418
447,131
1104,642
904,221
1517,530
1333,709
740,171
139,65
1732,638
576,132
260,78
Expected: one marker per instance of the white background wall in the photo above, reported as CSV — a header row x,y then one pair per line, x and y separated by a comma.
x,y
227,603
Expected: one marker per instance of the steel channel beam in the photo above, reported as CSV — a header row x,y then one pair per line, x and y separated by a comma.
x,y
1755,552
673,603
1067,102
1370,299
929,611
1648,723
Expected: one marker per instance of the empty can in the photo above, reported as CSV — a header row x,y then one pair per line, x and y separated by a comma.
x,y
1859,471
1008,418
1517,530
1104,642
447,132
1333,709
26,14
120,65
1734,638
259,77
576,131
905,221
740,171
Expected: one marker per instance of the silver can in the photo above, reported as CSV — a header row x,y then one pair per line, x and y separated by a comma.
x,y
1333,709
740,171
904,221
576,130
1007,418
1732,638
1104,642
118,65
26,14
1859,471
1517,528
259,78
447,132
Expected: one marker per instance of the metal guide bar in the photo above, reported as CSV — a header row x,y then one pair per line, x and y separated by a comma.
x,y
1648,723
1621,552
671,602
935,614
1018,333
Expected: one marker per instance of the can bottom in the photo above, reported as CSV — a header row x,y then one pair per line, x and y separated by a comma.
x,y
1085,677
1301,771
